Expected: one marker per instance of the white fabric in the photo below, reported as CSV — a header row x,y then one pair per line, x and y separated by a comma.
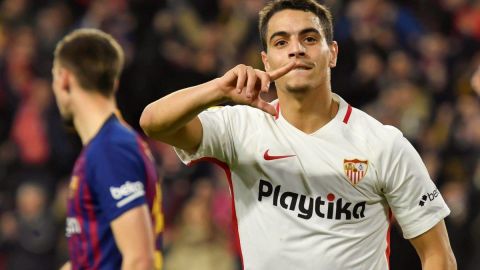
x,y
289,210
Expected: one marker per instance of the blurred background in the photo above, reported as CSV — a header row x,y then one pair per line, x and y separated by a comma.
x,y
407,63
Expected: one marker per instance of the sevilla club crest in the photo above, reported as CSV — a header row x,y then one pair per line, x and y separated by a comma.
x,y
355,169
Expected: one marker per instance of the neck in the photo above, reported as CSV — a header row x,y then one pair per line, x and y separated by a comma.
x,y
91,112
308,111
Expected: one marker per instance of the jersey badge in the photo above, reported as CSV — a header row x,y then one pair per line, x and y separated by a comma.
x,y
127,192
355,169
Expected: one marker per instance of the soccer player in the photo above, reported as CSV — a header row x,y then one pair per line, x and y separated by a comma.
x,y
314,181
114,218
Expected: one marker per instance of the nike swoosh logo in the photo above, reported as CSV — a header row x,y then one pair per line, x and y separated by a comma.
x,y
266,156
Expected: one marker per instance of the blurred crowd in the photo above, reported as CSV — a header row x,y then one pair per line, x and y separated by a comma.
x,y
407,63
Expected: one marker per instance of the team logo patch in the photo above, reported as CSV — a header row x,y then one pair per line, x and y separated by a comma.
x,y
355,169
428,197
127,192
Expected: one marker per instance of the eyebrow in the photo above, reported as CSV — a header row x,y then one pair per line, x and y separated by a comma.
x,y
303,32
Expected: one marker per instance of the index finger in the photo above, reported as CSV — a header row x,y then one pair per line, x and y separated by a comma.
x,y
279,72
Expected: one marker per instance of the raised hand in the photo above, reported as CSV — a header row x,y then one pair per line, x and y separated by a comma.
x,y
243,84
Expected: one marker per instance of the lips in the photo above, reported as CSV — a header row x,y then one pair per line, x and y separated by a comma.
x,y
302,66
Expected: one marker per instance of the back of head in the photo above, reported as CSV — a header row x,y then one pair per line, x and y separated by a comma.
x,y
94,57
274,6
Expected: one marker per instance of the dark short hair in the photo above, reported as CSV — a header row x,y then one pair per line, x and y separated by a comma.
x,y
94,57
275,6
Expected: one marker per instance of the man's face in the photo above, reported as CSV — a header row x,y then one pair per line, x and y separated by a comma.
x,y
295,35
61,92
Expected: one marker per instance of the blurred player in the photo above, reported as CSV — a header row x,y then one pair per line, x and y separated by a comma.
x,y
314,181
114,218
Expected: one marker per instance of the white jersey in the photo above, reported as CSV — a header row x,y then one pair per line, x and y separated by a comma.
x,y
322,200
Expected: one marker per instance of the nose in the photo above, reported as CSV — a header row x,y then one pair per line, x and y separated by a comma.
x,y
296,49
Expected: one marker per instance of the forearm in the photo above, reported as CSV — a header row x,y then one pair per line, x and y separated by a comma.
x,y
433,248
172,119
439,262
172,112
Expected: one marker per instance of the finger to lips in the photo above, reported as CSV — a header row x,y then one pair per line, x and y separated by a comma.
x,y
279,72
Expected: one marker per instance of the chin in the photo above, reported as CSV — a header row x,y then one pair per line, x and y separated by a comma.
x,y
297,87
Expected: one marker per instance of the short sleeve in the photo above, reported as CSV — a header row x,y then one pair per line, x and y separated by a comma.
x,y
217,139
118,179
413,197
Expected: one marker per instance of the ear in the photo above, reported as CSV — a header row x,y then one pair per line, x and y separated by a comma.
x,y
333,54
65,80
116,83
266,65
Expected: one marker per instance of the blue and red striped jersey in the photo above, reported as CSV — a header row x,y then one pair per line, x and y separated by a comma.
x,y
114,173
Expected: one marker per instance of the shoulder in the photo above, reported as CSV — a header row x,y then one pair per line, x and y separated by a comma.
x,y
114,156
113,142
362,122
375,136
